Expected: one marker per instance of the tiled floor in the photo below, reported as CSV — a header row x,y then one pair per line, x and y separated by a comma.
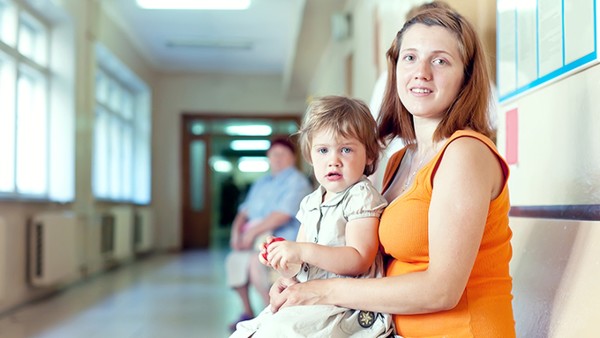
x,y
157,297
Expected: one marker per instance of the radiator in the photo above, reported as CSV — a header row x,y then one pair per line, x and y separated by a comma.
x,y
52,252
143,234
3,255
107,234
123,232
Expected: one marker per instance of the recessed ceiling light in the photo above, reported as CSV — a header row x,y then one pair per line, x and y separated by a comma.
x,y
222,166
253,164
239,145
194,4
249,130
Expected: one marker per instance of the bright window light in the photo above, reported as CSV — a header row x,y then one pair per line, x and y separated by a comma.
x,y
249,130
238,145
253,164
194,4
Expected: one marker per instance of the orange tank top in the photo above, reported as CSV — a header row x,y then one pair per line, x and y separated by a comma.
x,y
485,308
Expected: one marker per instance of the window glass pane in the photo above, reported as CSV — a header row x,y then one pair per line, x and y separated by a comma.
x,y
142,169
7,22
26,40
198,177
101,87
127,165
7,127
101,138
32,39
142,176
115,96
115,157
32,141
197,127
127,105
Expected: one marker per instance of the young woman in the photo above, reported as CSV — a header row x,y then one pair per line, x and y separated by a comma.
x,y
446,226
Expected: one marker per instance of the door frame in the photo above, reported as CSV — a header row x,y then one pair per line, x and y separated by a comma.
x,y
190,237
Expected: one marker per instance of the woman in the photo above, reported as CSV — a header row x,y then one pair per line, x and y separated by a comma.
x,y
445,229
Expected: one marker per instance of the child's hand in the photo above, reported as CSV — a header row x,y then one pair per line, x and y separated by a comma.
x,y
285,256
263,256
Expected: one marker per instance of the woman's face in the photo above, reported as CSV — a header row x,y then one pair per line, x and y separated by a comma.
x,y
429,70
280,158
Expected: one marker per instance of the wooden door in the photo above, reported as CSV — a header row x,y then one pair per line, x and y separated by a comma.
x,y
196,204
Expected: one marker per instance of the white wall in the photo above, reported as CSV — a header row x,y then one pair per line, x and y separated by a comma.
x,y
555,271
558,142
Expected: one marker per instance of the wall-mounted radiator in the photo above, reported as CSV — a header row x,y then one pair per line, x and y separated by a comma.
x,y
52,248
143,234
107,234
122,232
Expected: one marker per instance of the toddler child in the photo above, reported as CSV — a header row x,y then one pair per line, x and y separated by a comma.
x,y
338,236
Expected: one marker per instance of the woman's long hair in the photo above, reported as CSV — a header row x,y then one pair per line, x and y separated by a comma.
x,y
468,110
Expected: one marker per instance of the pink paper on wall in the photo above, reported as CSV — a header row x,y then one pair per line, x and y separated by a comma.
x,y
512,136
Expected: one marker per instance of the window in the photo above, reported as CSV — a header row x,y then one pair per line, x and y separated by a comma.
x,y
31,132
122,133
8,23
37,130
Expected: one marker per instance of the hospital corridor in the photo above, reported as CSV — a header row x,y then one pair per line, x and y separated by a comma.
x,y
131,131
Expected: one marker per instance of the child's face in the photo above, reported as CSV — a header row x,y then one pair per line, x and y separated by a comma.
x,y
338,162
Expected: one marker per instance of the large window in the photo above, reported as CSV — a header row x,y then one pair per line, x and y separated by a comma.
x,y
122,133
36,114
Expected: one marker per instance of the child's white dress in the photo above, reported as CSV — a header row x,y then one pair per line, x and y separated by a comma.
x,y
325,223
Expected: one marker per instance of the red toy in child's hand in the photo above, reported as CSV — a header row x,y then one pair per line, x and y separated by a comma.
x,y
275,239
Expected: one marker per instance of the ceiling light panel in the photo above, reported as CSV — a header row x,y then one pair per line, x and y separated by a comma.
x,y
253,164
249,130
240,145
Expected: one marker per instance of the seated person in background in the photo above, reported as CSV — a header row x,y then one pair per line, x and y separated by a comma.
x,y
268,209
339,224
445,230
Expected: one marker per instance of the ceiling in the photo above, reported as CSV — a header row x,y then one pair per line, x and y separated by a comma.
x,y
275,37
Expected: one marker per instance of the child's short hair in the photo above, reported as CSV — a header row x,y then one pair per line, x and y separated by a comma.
x,y
343,116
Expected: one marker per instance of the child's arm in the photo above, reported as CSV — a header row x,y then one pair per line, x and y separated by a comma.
x,y
362,243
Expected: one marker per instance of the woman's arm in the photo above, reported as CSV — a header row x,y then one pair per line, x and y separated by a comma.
x,y
468,177
356,257
236,232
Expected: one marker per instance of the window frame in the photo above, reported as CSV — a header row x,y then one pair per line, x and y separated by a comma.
x,y
121,133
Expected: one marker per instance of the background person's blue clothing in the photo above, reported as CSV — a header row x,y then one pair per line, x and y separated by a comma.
x,y
278,193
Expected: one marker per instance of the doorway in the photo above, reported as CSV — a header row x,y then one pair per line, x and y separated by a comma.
x,y
221,158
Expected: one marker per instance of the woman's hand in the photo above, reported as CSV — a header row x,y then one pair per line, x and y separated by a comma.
x,y
276,292
246,241
289,292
